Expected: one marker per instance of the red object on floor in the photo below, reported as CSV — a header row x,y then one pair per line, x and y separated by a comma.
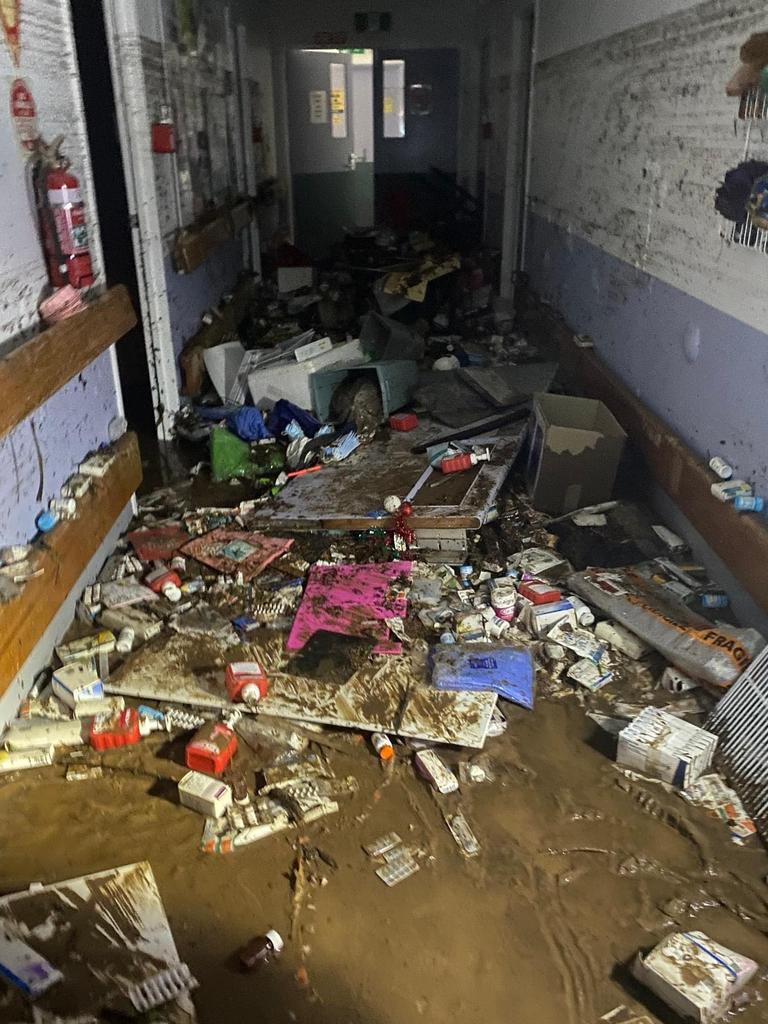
x,y
538,592
403,421
240,675
118,730
211,748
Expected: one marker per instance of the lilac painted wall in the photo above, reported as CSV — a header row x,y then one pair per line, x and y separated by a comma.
x,y
190,295
39,454
647,331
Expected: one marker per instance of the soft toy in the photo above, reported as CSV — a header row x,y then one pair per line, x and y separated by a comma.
x,y
754,57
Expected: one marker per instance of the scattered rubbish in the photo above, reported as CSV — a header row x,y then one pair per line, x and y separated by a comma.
x,y
721,467
710,791
32,734
86,647
246,681
401,864
587,674
205,795
694,975
166,582
621,639
383,844
355,600
121,729
675,681
20,760
463,834
666,747
211,748
433,769
731,489
77,682
504,670
161,988
235,551
261,950
383,746
25,968
715,654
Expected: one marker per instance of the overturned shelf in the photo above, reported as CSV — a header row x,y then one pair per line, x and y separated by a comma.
x,y
67,551
38,368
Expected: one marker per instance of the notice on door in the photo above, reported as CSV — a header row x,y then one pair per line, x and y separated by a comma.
x,y
318,106
337,101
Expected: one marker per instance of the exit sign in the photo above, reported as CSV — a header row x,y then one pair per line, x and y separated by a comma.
x,y
373,21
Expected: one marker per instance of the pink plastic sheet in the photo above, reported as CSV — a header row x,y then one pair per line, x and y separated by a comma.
x,y
355,600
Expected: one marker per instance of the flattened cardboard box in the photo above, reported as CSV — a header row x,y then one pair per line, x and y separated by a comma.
x,y
576,446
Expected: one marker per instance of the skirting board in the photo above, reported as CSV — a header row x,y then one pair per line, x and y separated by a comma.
x,y
43,650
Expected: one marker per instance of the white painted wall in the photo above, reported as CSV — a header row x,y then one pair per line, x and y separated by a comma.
x,y
632,136
567,24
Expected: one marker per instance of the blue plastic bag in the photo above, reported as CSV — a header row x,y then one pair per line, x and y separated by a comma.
x,y
507,671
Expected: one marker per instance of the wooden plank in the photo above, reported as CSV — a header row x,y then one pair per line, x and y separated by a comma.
x,y
65,552
741,541
39,367
195,244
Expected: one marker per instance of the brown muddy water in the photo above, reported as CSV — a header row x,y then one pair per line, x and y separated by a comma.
x,y
579,869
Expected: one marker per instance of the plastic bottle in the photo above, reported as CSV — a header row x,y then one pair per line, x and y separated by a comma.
x,y
721,467
458,463
383,746
261,950
745,503
46,521
246,681
164,581
125,640
584,614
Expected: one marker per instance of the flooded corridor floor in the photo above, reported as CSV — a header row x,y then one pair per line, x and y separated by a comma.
x,y
579,869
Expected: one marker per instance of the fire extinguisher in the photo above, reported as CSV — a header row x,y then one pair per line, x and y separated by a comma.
x,y
61,212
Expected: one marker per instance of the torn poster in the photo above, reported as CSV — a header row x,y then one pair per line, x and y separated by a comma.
x,y
355,600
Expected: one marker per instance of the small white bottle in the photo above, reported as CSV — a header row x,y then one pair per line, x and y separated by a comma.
x,y
125,640
721,467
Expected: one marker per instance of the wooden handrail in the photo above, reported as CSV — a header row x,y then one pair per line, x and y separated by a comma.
x,y
41,366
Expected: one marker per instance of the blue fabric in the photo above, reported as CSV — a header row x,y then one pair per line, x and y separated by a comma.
x,y
505,670
285,411
246,421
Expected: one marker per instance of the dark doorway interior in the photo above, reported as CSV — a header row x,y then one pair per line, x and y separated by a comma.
x,y
112,201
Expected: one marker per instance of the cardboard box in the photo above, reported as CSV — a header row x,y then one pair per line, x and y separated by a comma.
x,y
76,681
666,747
576,445
694,975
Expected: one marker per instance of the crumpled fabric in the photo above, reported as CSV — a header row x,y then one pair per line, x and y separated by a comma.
x,y
732,197
247,421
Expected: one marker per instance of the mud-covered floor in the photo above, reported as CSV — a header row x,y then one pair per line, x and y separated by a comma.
x,y
579,869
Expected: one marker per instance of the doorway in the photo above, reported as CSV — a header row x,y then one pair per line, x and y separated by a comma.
x,y
112,203
372,140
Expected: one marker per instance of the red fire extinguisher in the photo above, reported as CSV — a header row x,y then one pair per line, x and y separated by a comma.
x,y
63,226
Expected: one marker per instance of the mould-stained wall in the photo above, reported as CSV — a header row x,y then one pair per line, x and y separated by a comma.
x,y
631,136
38,455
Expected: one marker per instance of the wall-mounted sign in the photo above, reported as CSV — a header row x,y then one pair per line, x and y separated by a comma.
x,y
337,101
318,106
10,15
331,40
24,114
373,21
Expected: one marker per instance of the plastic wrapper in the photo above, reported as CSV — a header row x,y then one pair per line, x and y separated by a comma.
x,y
715,654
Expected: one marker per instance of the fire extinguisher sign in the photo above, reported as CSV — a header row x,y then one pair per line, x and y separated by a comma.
x,y
24,114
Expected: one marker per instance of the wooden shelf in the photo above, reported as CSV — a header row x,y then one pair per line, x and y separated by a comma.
x,y
196,243
65,552
41,366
